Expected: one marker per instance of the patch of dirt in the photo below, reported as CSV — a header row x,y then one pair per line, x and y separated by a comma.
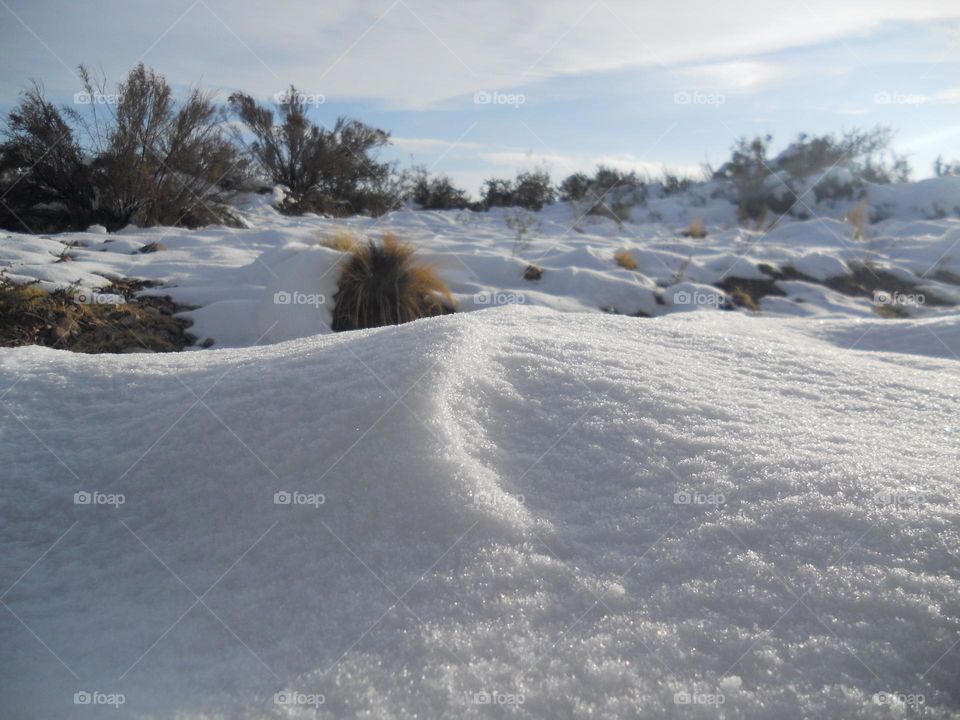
x,y
112,320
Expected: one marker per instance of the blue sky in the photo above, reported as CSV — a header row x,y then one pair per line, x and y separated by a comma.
x,y
486,88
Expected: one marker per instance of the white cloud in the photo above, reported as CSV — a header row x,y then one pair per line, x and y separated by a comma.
x,y
414,53
561,164
736,76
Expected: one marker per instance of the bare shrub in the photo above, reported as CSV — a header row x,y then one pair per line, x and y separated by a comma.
x,y
333,171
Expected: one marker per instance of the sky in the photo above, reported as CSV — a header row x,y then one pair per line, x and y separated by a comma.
x,y
486,88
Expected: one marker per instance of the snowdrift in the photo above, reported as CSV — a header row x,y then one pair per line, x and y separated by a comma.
x,y
512,512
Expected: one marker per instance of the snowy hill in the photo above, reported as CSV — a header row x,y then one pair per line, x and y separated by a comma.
x,y
509,513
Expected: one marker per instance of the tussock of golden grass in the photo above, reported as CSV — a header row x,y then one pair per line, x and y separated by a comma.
x,y
696,229
382,284
625,260
859,217
31,316
342,240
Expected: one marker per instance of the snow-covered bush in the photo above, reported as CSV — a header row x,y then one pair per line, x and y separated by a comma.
x,y
383,284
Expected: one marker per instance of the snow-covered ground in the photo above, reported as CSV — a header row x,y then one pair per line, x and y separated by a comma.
x,y
537,510
240,278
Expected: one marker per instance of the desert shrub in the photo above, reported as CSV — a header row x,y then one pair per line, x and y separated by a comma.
x,y
437,192
521,223
159,162
333,171
342,240
624,259
609,192
674,184
697,229
497,192
530,190
383,284
575,187
150,160
45,184
833,167
943,168
859,217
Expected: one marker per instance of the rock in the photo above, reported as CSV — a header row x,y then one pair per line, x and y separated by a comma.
x,y
152,248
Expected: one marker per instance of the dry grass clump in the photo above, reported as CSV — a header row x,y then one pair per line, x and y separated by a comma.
x,y
697,229
859,217
625,260
342,241
90,323
383,284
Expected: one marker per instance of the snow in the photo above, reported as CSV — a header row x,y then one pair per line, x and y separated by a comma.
x,y
231,276
566,515
538,507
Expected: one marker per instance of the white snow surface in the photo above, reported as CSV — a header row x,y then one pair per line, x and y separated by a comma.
x,y
573,515
233,277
